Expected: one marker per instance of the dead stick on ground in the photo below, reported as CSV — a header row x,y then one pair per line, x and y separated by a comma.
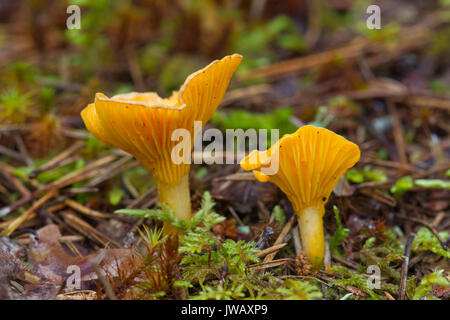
x,y
429,227
270,264
89,231
14,181
297,243
281,237
87,172
23,150
11,153
264,210
112,170
235,215
85,210
62,239
405,265
398,133
95,262
272,249
53,162
17,222
141,198
281,69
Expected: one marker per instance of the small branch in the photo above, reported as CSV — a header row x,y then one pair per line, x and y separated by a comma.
x,y
269,250
87,172
85,210
270,264
87,230
135,203
24,216
95,265
9,175
54,162
297,243
398,133
235,215
23,150
281,237
405,265
62,239
429,227
12,154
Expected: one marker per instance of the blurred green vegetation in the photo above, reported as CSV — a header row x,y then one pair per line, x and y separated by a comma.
x,y
357,175
162,53
241,119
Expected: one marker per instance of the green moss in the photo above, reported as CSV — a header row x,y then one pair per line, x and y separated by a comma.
x,y
425,240
424,289
298,290
355,279
401,186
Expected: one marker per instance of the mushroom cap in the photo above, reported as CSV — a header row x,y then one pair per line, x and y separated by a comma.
x,y
310,163
142,123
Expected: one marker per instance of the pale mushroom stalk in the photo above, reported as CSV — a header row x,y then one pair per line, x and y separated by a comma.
x,y
142,124
310,223
176,196
308,164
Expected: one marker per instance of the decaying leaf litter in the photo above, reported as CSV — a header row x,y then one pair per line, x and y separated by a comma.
x,y
59,187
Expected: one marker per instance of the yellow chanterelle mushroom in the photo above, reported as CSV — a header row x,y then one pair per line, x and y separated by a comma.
x,y
142,124
310,163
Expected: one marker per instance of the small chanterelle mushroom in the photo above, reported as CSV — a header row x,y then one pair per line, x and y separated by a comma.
x,y
310,163
143,123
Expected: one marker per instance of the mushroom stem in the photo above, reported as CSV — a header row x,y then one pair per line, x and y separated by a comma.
x,y
310,223
177,197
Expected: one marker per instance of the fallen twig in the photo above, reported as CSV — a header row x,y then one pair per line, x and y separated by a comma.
x,y
85,173
281,237
271,249
24,216
405,265
429,227
270,264
59,158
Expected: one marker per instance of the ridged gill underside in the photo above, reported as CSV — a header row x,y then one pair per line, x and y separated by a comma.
x,y
142,123
311,161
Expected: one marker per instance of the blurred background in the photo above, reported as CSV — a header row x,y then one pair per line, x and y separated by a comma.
x,y
49,73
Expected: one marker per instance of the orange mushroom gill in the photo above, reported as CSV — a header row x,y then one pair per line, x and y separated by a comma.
x,y
310,163
142,124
